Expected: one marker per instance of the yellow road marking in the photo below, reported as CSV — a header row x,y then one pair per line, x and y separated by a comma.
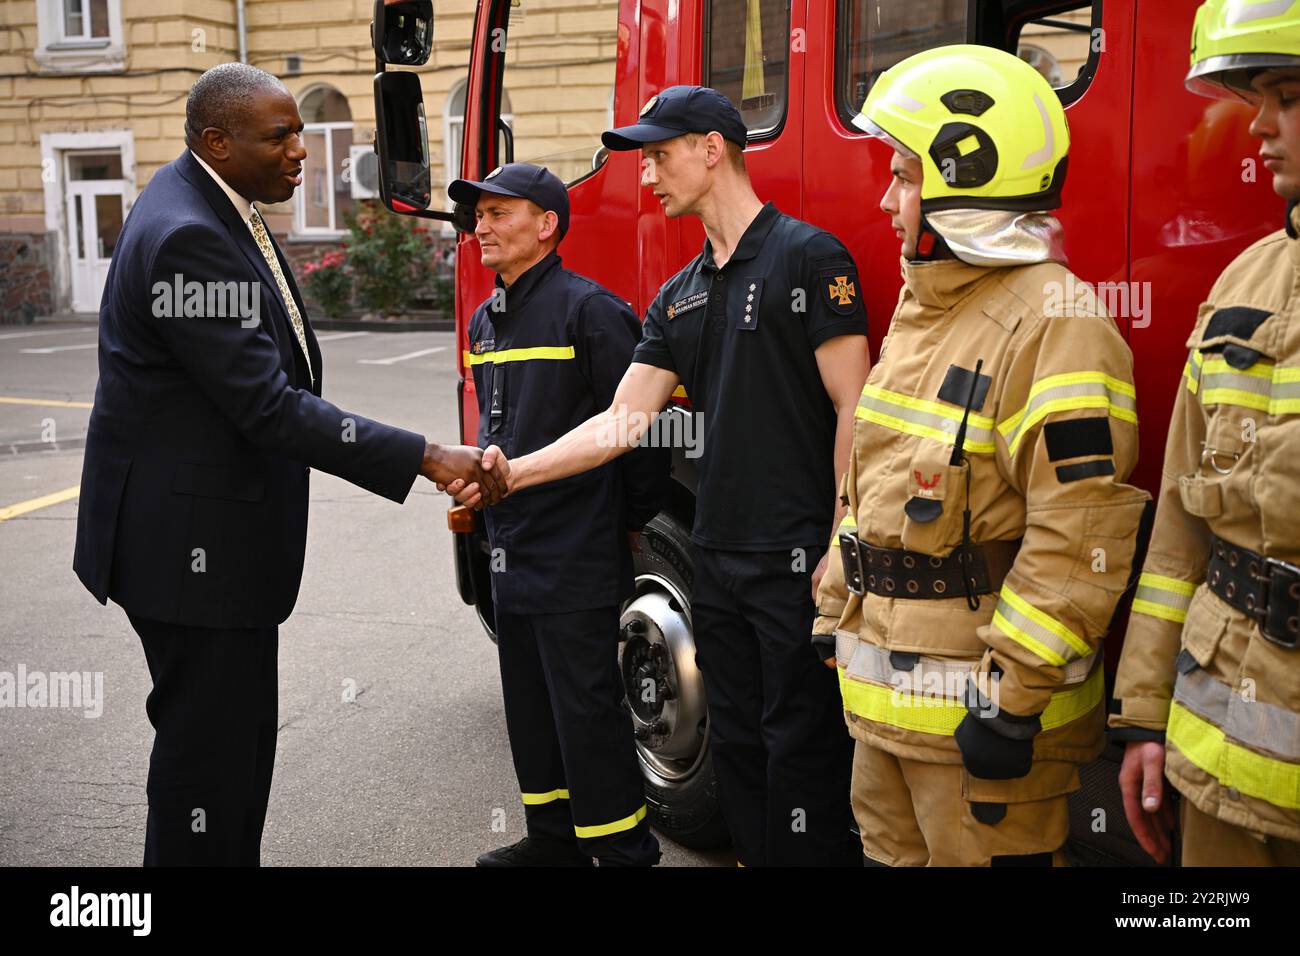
x,y
44,401
34,504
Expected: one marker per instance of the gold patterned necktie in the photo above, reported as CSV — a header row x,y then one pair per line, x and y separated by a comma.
x,y
263,240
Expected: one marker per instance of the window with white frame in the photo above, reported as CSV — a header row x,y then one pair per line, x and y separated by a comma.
x,y
325,194
80,36
454,128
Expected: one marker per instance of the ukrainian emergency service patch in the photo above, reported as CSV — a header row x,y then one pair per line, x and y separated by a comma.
x,y
483,345
840,289
692,301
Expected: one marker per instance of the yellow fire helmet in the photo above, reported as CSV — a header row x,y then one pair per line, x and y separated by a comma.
x,y
989,129
1232,39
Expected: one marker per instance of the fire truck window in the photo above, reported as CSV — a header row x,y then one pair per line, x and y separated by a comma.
x,y
746,56
560,74
873,35
1059,46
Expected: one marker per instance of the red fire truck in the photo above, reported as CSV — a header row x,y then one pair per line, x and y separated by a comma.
x,y
1162,192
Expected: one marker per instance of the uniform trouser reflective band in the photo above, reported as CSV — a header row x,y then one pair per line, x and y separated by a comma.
x,y
1039,632
550,796
931,715
925,419
1163,597
1070,392
605,829
1251,723
869,662
556,352
1253,774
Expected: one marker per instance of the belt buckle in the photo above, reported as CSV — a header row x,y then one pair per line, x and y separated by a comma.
x,y
1280,588
851,559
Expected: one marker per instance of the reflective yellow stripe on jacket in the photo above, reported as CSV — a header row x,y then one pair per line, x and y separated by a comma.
x,y
1163,597
940,715
1252,746
553,352
1036,630
849,523
1069,392
923,418
1264,386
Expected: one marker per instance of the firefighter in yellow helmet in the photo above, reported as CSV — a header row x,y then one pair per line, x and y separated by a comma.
x,y
1209,681
990,532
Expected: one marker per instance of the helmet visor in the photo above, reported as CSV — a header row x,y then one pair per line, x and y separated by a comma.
x,y
864,123
1229,77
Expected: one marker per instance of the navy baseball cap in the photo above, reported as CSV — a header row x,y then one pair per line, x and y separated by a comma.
x,y
521,180
678,110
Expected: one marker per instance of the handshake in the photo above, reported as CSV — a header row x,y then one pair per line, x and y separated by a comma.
x,y
476,478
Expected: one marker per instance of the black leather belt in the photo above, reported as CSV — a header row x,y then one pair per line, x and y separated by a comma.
x,y
897,572
1264,589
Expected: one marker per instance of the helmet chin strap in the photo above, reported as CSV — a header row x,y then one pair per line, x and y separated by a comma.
x,y
929,244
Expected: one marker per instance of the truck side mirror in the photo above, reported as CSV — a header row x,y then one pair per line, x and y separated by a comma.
x,y
402,141
402,31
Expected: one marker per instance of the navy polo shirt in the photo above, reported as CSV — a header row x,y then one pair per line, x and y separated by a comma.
x,y
742,339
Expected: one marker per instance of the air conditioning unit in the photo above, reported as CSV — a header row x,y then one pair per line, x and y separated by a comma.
x,y
364,167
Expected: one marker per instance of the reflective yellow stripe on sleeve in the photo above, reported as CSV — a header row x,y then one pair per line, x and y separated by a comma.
x,y
537,799
1039,632
1192,371
1163,597
605,829
552,352
1263,386
1066,393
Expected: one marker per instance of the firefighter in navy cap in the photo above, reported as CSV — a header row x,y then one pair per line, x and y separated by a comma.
x,y
1209,681
766,330
992,531
547,350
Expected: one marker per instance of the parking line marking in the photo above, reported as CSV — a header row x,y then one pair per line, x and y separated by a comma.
x,y
52,402
34,504
402,358
335,336
27,335
59,348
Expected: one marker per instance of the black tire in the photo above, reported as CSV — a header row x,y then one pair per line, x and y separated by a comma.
x,y
685,809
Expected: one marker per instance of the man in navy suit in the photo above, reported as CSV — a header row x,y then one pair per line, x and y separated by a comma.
x,y
208,417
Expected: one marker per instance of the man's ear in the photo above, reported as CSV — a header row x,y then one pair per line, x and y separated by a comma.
x,y
550,225
216,142
715,149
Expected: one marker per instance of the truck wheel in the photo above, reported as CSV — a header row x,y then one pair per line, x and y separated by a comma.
x,y
665,691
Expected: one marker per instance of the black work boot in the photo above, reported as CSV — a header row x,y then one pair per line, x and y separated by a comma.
x,y
535,851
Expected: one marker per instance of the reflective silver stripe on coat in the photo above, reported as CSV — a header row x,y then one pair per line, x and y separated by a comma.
x,y
871,663
1251,723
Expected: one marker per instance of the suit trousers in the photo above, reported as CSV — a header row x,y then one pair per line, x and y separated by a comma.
x,y
213,708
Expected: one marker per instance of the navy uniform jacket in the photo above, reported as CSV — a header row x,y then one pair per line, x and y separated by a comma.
x,y
194,485
547,354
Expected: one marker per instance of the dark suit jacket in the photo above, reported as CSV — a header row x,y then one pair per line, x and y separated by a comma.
x,y
194,487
